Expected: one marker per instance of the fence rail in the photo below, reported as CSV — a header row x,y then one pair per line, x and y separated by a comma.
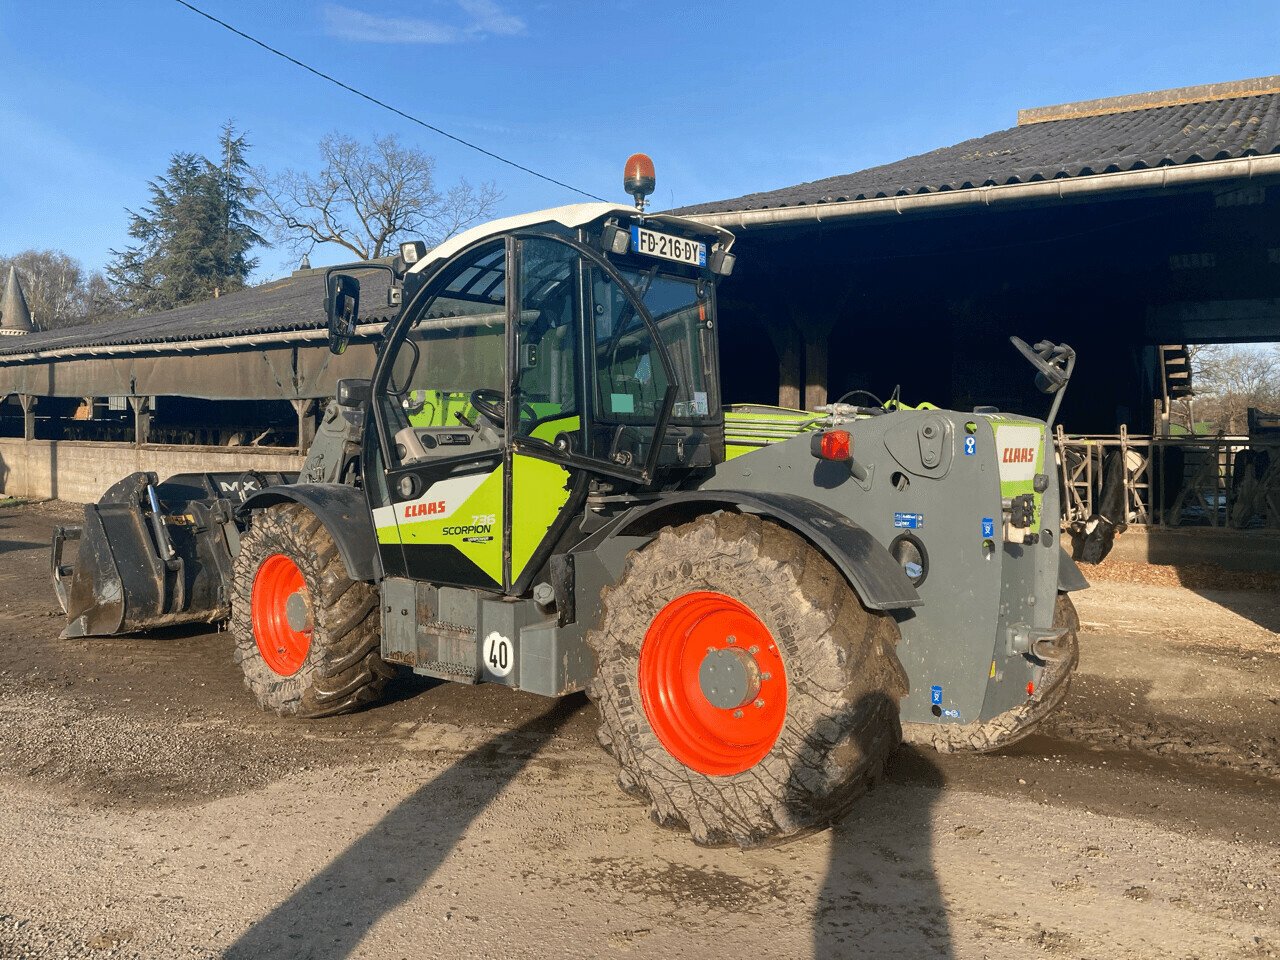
x,y
1220,481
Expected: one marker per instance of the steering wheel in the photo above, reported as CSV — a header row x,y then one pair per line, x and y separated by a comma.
x,y
490,404
1049,359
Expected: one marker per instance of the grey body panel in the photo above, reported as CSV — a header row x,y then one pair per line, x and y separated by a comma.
x,y
866,564
344,513
959,636
441,632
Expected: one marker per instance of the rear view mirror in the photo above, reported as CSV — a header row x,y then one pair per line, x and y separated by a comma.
x,y
343,309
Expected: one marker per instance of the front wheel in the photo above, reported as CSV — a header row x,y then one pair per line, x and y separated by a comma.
x,y
744,690
307,635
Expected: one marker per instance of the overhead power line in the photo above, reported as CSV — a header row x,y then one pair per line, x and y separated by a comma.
x,y
386,106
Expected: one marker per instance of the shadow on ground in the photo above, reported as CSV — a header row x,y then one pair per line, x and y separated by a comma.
x,y
881,896
327,917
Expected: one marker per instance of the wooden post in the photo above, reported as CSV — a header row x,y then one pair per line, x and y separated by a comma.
x,y
815,369
141,419
817,334
786,340
306,423
28,416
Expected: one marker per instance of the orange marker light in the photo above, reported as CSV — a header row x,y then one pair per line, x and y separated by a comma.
x,y
1031,688
638,177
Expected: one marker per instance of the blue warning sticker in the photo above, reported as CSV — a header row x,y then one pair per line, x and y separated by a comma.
x,y
970,446
908,521
951,713
935,694
988,528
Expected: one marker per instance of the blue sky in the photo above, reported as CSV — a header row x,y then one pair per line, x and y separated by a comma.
x,y
727,98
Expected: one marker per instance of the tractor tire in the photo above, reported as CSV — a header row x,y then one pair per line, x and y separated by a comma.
x,y
1020,721
307,635
809,676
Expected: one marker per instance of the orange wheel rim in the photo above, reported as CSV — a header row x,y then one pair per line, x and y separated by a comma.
x,y
283,646
712,683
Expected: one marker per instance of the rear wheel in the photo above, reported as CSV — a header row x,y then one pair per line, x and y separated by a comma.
x,y
1020,721
746,693
307,635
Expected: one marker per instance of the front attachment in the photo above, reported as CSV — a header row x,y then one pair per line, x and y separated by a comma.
x,y
150,555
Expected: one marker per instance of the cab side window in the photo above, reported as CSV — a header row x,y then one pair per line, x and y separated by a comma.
x,y
547,399
456,346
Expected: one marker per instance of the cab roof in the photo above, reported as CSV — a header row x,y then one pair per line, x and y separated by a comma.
x,y
572,216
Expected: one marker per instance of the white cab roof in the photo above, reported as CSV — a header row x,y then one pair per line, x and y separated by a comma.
x,y
574,215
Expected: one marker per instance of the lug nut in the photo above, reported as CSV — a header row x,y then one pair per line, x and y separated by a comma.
x,y
753,649
737,714
766,676
759,704
731,639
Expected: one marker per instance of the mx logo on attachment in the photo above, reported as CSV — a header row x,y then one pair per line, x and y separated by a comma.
x,y
935,694
988,528
970,446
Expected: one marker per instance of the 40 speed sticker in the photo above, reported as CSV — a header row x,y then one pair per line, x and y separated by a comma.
x,y
499,655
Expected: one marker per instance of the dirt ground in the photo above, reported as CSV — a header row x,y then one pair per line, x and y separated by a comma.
x,y
150,810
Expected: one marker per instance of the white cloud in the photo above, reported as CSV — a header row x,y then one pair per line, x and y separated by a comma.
x,y
488,17
482,18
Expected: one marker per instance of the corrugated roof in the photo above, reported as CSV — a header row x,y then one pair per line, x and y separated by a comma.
x,y
1180,133
292,303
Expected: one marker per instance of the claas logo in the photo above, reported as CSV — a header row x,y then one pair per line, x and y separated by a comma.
x,y
1019,455
423,509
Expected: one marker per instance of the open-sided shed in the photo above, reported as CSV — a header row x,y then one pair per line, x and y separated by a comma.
x,y
1119,225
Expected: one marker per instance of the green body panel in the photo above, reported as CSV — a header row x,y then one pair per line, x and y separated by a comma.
x,y
541,489
548,430
749,427
474,529
439,408
1015,437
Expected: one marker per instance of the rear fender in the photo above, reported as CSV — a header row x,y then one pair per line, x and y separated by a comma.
x,y
1069,576
868,566
344,513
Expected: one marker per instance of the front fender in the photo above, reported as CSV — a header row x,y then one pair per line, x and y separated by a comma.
x,y
344,513
866,563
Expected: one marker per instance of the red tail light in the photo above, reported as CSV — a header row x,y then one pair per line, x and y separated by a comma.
x,y
832,445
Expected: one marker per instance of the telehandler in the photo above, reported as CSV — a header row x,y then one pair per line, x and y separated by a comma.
x,y
538,486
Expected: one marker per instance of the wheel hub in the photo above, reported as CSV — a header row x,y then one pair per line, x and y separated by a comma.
x,y
712,683
730,678
297,611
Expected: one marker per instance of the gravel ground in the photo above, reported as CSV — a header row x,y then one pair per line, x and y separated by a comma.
x,y
151,811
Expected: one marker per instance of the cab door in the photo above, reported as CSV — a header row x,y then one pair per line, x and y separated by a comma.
x,y
591,391
440,389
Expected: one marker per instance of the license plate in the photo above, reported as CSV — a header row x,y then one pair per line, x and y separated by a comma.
x,y
663,245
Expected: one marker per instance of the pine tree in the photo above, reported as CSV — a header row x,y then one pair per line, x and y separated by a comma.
x,y
194,239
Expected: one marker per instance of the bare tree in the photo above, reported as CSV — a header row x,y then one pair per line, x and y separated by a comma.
x,y
1231,378
58,291
369,196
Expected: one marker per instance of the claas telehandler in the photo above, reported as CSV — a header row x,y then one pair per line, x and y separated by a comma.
x,y
540,486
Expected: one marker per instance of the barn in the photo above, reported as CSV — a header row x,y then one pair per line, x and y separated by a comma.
x,y
1128,227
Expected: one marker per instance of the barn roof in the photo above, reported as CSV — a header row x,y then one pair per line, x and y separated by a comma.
x,y
294,303
1166,128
